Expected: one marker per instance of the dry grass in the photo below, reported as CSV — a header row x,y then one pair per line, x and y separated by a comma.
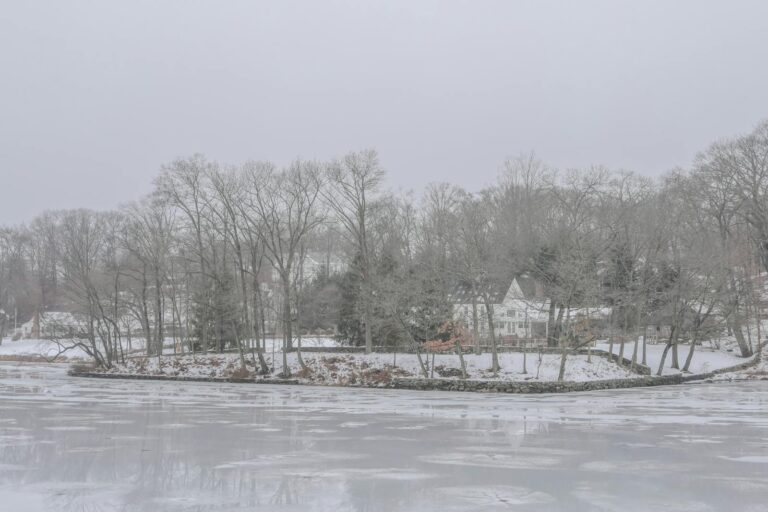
x,y
304,373
377,376
241,373
81,368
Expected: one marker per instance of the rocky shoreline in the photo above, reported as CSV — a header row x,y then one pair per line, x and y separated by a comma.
x,y
441,384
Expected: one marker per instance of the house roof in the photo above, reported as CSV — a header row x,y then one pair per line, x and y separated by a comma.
x,y
463,292
530,286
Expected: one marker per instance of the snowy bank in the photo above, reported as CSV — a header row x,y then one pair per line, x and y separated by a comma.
x,y
377,370
348,370
41,350
705,359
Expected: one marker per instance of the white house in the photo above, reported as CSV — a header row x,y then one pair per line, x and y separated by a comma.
x,y
520,311
52,324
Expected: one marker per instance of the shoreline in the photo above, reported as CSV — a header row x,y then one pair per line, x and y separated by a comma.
x,y
449,384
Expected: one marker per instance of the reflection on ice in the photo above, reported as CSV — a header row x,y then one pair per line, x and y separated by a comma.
x,y
80,444
496,496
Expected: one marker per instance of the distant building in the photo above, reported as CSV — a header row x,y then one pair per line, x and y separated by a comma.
x,y
520,311
318,264
313,266
53,325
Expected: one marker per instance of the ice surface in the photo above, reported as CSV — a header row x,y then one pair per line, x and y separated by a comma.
x,y
108,445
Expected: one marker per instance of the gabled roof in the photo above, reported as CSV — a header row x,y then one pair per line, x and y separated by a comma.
x,y
529,289
463,292
530,286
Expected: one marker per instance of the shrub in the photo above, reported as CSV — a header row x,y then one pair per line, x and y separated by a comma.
x,y
304,373
77,368
448,372
378,376
241,373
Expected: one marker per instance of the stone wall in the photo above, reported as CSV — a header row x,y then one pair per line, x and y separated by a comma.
x,y
532,386
179,378
626,363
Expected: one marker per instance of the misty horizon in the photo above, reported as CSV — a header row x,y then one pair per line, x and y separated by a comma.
x,y
357,255
101,96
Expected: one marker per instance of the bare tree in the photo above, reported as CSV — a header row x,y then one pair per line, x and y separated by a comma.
x,y
183,184
354,180
286,205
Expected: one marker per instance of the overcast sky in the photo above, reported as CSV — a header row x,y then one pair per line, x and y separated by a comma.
x,y
96,96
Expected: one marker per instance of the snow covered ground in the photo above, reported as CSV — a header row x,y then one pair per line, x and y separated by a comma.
x,y
148,446
379,369
350,369
62,350
705,358
44,349
69,351
756,372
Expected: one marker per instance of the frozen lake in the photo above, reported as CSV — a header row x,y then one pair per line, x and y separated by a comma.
x,y
105,445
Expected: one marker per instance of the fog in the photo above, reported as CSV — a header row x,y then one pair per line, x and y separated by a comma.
x,y
95,96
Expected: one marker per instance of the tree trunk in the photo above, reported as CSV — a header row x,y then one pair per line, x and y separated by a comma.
x,y
664,357
432,367
620,359
734,324
551,338
160,337
610,347
675,362
563,356
423,367
670,342
367,321
144,310
298,334
256,347
525,357
494,348
633,365
759,326
694,339
461,359
287,331
475,325
240,351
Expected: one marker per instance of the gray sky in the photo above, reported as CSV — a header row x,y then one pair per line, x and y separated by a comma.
x,y
95,96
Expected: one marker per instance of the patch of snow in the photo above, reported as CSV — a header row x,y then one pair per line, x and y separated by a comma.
x,y
65,350
705,359
380,369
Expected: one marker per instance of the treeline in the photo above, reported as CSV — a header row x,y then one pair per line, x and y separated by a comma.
x,y
215,257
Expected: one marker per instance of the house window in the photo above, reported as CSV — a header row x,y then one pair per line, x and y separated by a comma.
x,y
511,313
521,325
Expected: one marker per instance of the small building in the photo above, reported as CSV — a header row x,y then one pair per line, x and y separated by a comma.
x,y
53,325
519,309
